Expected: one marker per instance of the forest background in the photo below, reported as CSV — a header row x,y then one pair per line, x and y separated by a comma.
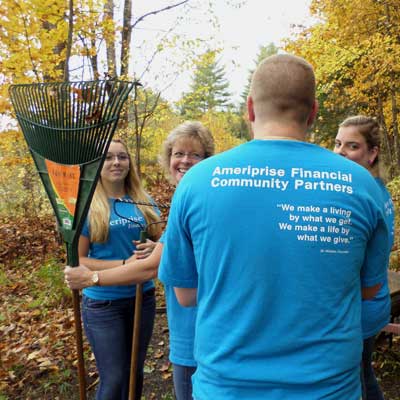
x,y
353,45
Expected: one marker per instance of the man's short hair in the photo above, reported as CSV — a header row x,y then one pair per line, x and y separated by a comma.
x,y
283,87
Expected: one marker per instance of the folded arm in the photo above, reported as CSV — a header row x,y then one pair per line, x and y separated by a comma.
x,y
133,272
95,264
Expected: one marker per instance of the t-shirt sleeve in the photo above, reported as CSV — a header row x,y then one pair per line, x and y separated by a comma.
x,y
85,229
376,259
178,266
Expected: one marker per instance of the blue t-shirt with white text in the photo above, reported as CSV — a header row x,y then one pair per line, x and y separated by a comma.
x,y
276,236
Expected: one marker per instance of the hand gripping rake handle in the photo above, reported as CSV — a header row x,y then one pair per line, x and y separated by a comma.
x,y
136,332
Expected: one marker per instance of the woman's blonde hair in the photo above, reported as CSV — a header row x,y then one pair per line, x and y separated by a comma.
x,y
187,130
99,212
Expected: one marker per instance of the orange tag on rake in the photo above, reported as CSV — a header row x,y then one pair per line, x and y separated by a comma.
x,y
65,182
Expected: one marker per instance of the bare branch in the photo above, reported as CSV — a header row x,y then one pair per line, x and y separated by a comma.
x,y
140,19
153,56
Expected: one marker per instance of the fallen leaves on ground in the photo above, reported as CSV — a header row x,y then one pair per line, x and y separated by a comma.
x,y
38,345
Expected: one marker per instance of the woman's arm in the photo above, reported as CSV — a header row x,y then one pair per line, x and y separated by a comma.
x,y
95,264
138,271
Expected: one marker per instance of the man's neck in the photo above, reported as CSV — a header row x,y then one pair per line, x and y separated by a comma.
x,y
276,130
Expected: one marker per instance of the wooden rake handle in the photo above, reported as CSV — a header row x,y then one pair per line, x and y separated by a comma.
x,y
135,341
79,344
136,333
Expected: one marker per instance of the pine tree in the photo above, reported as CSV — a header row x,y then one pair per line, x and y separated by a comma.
x,y
208,90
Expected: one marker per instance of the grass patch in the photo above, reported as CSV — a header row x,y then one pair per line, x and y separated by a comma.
x,y
3,279
49,289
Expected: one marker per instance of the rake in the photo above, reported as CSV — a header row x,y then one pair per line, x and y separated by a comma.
x,y
68,127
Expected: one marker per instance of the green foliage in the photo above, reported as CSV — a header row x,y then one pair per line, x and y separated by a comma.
x,y
220,126
328,119
208,90
21,192
168,396
394,189
48,287
150,118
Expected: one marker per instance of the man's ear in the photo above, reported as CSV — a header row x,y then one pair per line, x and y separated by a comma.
x,y
313,113
250,109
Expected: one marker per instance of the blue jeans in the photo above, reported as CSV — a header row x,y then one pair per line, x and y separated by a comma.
x,y
183,381
369,384
108,326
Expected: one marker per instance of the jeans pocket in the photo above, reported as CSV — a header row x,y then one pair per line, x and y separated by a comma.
x,y
92,304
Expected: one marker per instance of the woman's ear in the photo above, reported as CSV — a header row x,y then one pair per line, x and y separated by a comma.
x,y
373,153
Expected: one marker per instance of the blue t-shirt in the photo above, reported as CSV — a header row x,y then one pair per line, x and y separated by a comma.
x,y
275,235
376,312
181,324
119,246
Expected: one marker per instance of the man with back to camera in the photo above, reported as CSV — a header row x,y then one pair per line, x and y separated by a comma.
x,y
274,239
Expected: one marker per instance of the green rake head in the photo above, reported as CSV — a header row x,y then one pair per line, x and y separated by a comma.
x,y
68,127
69,122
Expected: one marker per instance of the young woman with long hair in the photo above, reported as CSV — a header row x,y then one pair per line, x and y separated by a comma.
x,y
109,238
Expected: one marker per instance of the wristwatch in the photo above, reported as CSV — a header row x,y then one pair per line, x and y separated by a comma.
x,y
95,279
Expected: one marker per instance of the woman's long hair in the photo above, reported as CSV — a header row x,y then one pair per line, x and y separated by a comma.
x,y
99,212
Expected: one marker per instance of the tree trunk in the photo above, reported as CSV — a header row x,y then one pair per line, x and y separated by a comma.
x,y
57,50
387,143
69,40
110,40
395,128
126,37
94,60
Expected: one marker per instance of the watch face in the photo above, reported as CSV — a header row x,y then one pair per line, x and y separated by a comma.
x,y
95,278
